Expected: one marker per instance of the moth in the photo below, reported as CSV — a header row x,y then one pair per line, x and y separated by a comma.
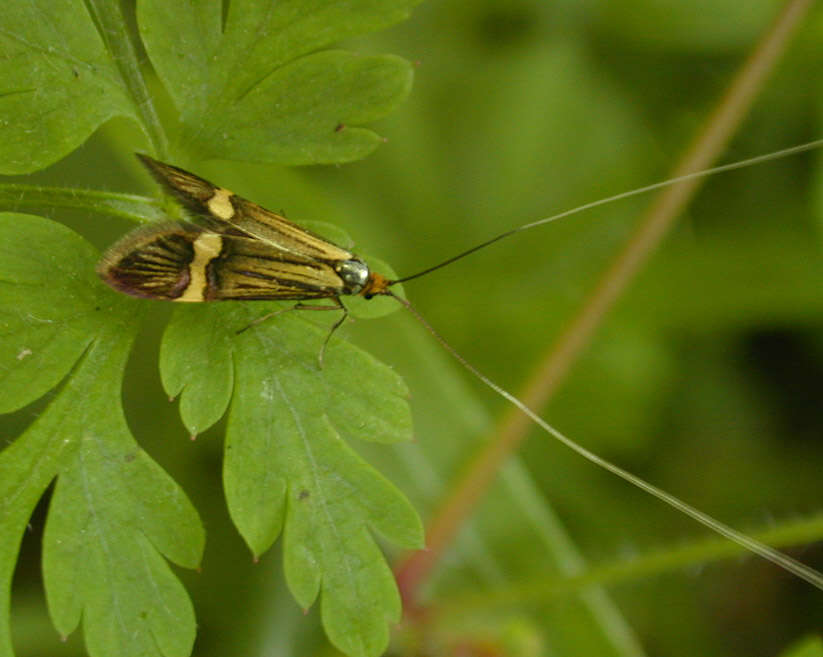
x,y
237,250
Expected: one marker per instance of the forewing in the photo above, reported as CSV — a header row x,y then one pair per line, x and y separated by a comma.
x,y
250,269
226,213
180,261
192,191
262,224
152,262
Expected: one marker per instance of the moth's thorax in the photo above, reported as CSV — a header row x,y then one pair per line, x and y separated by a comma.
x,y
354,273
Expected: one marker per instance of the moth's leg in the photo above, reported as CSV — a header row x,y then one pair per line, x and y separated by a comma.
x,y
338,305
335,326
297,306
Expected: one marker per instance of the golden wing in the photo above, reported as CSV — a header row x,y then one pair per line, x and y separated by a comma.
x,y
179,261
242,251
225,212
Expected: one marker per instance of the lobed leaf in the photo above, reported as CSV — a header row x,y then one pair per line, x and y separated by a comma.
x,y
114,511
48,316
196,365
58,82
286,466
258,88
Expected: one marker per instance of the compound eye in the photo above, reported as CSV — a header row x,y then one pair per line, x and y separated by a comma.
x,y
354,274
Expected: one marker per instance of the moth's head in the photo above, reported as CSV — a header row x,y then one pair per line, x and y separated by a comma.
x,y
359,279
376,284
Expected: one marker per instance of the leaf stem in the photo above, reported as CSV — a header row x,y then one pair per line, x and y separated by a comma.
x,y
115,33
484,465
793,566
126,206
540,588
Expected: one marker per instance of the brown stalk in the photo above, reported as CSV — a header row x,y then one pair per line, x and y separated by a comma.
x,y
558,359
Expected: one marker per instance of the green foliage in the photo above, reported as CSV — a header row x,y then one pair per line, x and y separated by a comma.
x,y
521,108
114,511
59,82
259,87
285,462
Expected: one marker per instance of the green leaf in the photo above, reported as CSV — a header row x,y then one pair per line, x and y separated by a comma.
x,y
256,90
196,364
42,278
261,89
287,467
59,81
114,511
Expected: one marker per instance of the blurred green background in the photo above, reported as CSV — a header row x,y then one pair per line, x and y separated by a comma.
x,y
706,380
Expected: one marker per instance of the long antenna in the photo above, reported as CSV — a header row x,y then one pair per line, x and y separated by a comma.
x,y
784,561
617,197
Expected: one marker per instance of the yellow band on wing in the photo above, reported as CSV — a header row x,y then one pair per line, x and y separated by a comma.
x,y
207,247
220,204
